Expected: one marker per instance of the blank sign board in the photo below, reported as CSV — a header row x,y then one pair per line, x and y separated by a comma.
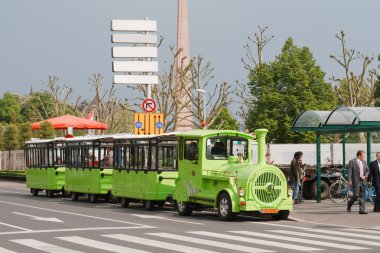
x,y
134,38
134,52
135,79
135,66
134,25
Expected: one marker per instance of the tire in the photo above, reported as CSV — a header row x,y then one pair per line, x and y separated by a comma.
x,y
324,189
307,191
148,204
338,192
49,193
282,215
371,195
184,208
124,202
34,192
225,207
74,196
93,198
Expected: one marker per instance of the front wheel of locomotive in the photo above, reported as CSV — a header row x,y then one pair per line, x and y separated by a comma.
x,y
124,202
282,215
225,207
184,208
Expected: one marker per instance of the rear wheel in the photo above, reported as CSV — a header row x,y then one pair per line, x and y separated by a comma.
x,y
148,204
324,189
338,192
49,193
124,202
34,192
225,207
184,208
282,215
74,196
93,198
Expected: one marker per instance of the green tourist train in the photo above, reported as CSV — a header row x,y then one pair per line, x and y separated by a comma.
x,y
194,170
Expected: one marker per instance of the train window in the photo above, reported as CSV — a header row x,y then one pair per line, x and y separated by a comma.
x,y
238,147
167,155
191,150
222,147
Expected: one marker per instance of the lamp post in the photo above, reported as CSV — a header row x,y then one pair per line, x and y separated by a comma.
x,y
203,92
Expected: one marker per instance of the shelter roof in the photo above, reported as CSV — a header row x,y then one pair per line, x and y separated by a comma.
x,y
63,122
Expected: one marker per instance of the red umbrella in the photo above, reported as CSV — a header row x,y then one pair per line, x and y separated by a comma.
x,y
63,122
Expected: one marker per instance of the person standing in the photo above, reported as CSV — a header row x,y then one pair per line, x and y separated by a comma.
x,y
295,174
357,173
374,179
267,158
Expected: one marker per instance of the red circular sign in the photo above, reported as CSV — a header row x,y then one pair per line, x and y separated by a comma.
x,y
149,105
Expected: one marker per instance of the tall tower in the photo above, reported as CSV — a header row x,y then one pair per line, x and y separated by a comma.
x,y
183,43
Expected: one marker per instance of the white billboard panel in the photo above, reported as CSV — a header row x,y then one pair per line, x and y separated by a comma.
x,y
134,38
134,25
135,52
135,66
135,79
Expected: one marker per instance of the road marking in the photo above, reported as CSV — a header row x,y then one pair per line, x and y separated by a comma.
x,y
298,240
144,216
69,230
100,245
2,250
356,235
39,218
76,214
328,237
362,230
12,226
280,225
255,241
224,245
158,244
46,247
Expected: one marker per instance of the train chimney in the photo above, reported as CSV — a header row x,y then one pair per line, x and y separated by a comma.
x,y
261,147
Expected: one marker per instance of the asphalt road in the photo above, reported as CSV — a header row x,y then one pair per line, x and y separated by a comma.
x,y
39,224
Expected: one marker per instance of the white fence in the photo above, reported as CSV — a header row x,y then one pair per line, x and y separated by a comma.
x,y
14,161
330,153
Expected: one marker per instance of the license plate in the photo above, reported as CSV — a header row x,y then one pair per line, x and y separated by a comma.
x,y
269,210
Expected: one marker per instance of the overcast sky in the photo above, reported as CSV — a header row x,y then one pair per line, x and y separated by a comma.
x,y
71,38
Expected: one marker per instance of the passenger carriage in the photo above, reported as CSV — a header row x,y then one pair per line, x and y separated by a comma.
x,y
89,167
45,166
145,169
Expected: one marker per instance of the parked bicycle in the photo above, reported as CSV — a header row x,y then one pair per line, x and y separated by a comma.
x,y
340,191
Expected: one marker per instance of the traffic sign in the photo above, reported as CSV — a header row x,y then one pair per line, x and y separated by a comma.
x,y
149,105
138,124
159,125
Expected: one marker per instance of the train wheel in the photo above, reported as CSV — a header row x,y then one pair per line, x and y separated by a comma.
x,y
74,196
282,215
93,198
225,207
148,204
49,193
184,209
34,192
124,202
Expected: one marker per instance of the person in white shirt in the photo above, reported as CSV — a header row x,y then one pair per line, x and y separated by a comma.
x,y
357,174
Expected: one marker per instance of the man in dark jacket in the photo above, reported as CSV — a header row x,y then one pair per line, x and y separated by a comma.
x,y
357,173
374,179
295,174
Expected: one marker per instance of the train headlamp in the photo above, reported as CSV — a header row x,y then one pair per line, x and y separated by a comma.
x,y
241,192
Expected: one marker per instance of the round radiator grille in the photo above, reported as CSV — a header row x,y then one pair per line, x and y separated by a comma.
x,y
267,187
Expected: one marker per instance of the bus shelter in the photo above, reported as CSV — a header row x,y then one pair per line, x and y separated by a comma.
x,y
342,120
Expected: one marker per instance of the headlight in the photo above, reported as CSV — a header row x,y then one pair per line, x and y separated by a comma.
x,y
241,192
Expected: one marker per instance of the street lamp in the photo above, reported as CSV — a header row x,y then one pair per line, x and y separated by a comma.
x,y
203,92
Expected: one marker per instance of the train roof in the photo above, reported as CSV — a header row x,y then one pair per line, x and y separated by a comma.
x,y
37,141
209,133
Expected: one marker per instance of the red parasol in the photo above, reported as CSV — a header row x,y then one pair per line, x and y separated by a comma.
x,y
63,122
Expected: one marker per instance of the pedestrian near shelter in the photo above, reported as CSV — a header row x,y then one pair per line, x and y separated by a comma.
x,y
342,120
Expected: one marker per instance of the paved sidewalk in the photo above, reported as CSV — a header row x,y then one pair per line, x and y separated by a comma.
x,y
329,213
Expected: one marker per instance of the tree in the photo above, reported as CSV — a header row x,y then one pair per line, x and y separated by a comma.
x,y
10,108
37,106
282,89
354,89
11,140
25,130
46,131
225,121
